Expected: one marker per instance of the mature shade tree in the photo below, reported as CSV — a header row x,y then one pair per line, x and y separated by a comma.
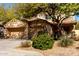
x,y
56,11
28,10
59,12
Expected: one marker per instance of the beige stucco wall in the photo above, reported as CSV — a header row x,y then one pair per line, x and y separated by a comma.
x,y
76,34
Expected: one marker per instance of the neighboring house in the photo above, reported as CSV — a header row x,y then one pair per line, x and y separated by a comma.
x,y
1,30
29,28
14,29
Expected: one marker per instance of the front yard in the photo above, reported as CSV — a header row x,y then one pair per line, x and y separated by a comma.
x,y
57,50
9,48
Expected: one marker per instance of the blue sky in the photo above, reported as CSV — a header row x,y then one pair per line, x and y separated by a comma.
x,y
77,17
7,5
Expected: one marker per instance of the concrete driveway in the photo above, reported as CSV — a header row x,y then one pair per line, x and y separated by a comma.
x,y
7,48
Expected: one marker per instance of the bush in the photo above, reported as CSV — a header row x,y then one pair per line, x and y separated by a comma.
x,y
65,42
43,42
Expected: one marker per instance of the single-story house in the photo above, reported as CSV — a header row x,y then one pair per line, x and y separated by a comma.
x,y
14,29
37,25
29,28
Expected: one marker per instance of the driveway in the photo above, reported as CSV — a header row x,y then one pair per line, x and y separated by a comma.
x,y
7,48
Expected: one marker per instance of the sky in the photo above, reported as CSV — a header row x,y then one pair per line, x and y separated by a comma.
x,y
9,5
77,17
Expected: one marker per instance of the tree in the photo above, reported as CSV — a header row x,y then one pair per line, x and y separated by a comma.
x,y
10,14
58,12
6,14
2,14
29,10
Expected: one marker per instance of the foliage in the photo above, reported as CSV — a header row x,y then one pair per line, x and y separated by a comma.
x,y
10,14
6,14
60,12
29,10
65,41
56,11
43,42
2,14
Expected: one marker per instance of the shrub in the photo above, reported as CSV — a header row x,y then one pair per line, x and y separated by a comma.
x,y
65,42
43,42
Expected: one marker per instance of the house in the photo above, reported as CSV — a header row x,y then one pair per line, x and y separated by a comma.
x,y
29,28
14,29
37,25
1,29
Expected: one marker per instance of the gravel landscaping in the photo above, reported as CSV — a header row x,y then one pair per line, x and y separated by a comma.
x,y
8,48
58,51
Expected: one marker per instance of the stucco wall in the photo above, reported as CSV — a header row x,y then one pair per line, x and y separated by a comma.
x,y
76,34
